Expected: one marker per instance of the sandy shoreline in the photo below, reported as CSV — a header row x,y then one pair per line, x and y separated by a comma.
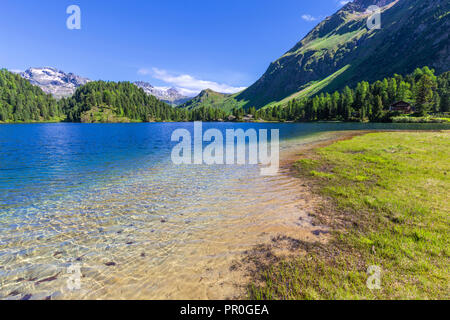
x,y
319,209
293,154
302,234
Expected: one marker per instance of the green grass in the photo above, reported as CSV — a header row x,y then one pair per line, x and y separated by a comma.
x,y
330,41
51,120
389,194
310,89
316,87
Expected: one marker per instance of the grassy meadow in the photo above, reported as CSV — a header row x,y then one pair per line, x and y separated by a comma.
x,y
386,198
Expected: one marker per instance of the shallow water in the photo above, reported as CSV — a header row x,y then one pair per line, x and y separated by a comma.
x,y
105,198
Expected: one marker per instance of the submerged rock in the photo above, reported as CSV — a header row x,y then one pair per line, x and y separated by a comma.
x,y
52,278
14,293
27,297
319,232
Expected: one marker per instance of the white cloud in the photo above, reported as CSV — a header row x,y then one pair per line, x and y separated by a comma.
x,y
144,72
187,84
308,17
343,2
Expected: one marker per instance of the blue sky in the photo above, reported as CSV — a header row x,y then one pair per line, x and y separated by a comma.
x,y
191,45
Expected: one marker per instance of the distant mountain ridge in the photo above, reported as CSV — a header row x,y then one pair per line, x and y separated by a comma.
x,y
171,96
54,81
62,85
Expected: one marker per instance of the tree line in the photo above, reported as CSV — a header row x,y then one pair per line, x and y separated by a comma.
x,y
366,102
127,100
21,101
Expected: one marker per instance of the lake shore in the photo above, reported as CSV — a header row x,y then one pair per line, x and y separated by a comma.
x,y
362,183
118,120
141,228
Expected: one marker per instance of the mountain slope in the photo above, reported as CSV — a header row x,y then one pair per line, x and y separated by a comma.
x,y
170,96
342,51
207,98
53,81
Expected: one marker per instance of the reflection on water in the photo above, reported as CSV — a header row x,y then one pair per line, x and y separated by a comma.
x,y
107,198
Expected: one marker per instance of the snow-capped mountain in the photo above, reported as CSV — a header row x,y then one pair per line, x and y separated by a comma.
x,y
169,95
61,85
53,81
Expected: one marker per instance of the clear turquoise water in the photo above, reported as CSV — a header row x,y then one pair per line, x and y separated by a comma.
x,y
92,194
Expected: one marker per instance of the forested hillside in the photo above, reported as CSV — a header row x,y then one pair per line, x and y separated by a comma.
x,y
120,100
20,101
426,92
101,101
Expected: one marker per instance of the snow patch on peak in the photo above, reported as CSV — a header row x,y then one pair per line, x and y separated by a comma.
x,y
54,81
169,95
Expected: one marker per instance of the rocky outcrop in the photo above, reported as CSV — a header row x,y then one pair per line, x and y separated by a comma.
x,y
169,95
53,81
